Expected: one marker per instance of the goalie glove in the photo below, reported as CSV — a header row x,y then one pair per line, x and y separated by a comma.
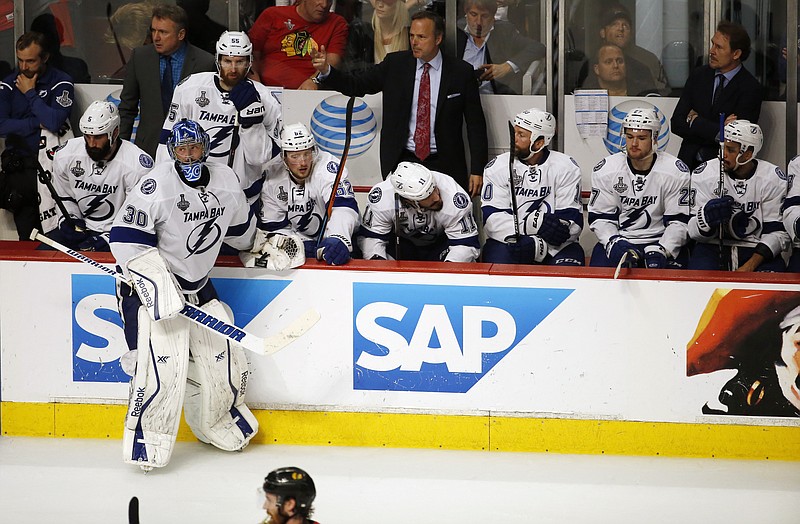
x,y
551,229
334,250
275,251
655,257
155,284
617,246
715,212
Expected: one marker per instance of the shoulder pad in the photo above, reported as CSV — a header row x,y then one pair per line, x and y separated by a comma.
x,y
148,186
599,165
332,166
700,167
780,173
575,162
375,195
491,162
681,166
183,81
146,160
460,200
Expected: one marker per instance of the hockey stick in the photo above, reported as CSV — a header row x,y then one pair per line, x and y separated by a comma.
x,y
722,263
234,139
114,34
511,184
133,511
624,262
256,344
339,172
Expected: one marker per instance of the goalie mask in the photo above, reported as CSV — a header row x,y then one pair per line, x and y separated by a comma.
x,y
100,118
188,145
293,483
540,124
299,150
747,135
234,43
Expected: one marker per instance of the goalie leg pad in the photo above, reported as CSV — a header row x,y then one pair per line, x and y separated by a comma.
x,y
217,381
156,393
155,284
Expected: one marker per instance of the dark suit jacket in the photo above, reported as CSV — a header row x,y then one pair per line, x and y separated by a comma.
x,y
141,93
507,44
740,97
458,101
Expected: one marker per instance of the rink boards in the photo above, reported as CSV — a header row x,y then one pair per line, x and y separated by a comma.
x,y
451,356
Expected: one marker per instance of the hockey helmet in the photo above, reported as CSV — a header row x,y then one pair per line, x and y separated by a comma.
x,y
100,118
644,118
412,181
539,123
292,482
745,133
187,132
296,137
234,43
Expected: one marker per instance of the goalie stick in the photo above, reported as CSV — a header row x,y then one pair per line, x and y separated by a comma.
x,y
249,341
339,172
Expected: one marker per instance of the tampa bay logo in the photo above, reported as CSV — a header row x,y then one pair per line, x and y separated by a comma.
x,y
439,338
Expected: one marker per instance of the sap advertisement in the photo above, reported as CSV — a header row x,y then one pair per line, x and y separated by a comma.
x,y
455,343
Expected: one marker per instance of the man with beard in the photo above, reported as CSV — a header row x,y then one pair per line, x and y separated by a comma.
x,y
36,100
240,116
419,214
547,185
744,201
93,175
640,200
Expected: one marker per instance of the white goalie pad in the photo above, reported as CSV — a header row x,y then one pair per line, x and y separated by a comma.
x,y
275,251
156,393
155,284
216,385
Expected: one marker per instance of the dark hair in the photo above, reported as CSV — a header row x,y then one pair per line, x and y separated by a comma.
x,y
486,5
737,36
172,12
615,12
30,38
438,21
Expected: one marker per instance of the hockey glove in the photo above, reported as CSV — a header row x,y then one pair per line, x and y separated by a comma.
x,y
75,232
310,247
546,225
245,97
94,242
617,247
655,257
528,249
333,251
715,212
738,224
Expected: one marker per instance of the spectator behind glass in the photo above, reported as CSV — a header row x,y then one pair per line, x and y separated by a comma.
x,y
369,43
76,68
201,30
131,23
609,72
284,36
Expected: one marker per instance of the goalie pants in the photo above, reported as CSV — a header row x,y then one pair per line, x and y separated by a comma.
x,y
179,362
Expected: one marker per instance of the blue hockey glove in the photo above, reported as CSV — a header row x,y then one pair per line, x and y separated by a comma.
x,y
333,251
522,250
245,97
310,247
73,233
738,224
715,212
94,242
617,246
655,257
546,225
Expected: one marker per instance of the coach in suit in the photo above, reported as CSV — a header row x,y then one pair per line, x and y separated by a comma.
x,y
153,72
497,51
723,86
449,94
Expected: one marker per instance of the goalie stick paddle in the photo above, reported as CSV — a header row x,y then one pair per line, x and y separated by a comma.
x,y
249,341
133,511
348,135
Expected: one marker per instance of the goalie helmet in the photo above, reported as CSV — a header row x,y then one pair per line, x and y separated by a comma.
x,y
100,118
540,124
292,482
745,133
187,132
412,181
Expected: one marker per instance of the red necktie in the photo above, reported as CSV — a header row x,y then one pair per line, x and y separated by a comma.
x,y
422,133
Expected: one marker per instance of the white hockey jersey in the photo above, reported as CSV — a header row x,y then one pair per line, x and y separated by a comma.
x,y
791,206
422,227
199,97
289,207
760,196
95,191
187,225
644,208
554,186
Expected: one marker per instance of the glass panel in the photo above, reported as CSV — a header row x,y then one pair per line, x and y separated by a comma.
x,y
7,56
376,28
633,47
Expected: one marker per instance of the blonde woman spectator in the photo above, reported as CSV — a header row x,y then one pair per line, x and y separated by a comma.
x,y
369,43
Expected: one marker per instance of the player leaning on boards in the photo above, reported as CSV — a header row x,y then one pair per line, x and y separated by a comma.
x,y
93,175
791,213
747,207
424,214
640,200
288,496
166,240
240,116
295,197
546,208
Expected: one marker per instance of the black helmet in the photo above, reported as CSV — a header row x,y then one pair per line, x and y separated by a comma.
x,y
292,482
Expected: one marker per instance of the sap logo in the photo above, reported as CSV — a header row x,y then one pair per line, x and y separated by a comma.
x,y
439,338
98,338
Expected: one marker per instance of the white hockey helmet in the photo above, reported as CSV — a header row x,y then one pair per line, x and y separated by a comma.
x,y
539,123
234,43
745,133
412,181
296,137
100,118
644,118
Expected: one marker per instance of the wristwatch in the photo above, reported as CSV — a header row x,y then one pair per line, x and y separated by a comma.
x,y
316,79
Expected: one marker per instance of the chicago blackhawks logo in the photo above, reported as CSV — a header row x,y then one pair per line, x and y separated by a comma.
x,y
298,44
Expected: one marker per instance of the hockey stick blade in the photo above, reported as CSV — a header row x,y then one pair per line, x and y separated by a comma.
x,y
201,317
621,264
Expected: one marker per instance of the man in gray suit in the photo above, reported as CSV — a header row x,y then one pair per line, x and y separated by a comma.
x,y
154,71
